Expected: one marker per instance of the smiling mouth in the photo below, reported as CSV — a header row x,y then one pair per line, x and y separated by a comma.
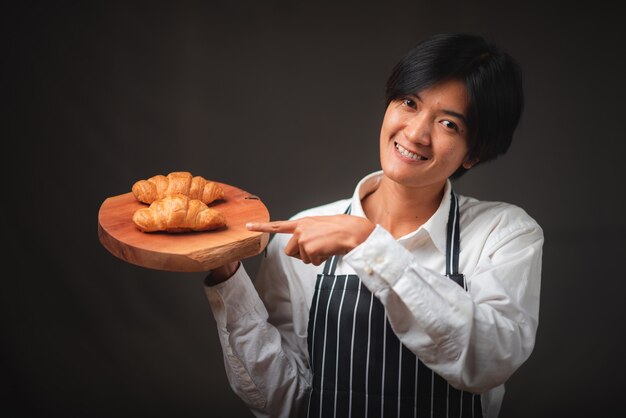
x,y
409,154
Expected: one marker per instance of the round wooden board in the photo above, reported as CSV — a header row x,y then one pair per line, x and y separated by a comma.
x,y
189,251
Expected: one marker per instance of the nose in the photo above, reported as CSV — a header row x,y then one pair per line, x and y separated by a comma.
x,y
418,128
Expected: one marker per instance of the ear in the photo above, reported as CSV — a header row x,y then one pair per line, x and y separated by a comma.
x,y
469,163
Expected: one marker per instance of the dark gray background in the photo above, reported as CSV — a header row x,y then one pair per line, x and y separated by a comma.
x,y
284,100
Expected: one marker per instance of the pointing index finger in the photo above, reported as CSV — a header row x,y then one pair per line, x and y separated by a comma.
x,y
274,227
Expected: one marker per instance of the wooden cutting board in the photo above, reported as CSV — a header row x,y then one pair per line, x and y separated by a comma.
x,y
189,251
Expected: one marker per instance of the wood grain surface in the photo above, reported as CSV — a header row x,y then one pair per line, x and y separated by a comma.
x,y
189,251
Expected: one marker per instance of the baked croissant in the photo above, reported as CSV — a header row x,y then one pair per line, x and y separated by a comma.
x,y
178,213
159,186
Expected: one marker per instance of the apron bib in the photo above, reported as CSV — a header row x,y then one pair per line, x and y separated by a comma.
x,y
360,368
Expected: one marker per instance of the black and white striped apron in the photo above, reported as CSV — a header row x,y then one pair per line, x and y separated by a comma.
x,y
360,367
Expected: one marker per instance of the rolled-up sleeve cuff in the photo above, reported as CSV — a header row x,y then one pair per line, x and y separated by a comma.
x,y
379,260
233,298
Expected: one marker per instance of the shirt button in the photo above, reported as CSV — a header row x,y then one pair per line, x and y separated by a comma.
x,y
368,270
380,259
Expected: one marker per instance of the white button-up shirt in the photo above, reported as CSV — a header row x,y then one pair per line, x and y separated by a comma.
x,y
474,339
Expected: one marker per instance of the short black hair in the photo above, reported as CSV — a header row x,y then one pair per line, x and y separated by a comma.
x,y
492,78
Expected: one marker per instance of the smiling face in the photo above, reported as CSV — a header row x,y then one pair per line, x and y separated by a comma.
x,y
423,138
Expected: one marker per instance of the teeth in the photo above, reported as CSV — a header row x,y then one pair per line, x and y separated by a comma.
x,y
408,154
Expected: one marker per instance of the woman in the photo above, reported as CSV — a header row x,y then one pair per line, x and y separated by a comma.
x,y
405,299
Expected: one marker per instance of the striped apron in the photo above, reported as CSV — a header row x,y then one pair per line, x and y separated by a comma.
x,y
360,367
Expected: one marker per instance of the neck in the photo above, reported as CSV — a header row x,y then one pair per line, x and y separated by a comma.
x,y
400,209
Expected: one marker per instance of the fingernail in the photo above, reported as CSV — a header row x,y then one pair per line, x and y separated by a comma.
x,y
249,225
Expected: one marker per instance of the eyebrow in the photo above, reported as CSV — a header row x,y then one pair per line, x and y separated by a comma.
x,y
458,115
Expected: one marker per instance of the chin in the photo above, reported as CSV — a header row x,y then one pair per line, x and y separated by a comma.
x,y
410,178
401,176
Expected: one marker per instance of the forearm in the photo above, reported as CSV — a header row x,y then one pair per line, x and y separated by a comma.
x,y
475,339
260,371
474,345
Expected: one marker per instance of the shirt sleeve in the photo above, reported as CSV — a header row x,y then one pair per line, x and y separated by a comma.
x,y
264,367
474,339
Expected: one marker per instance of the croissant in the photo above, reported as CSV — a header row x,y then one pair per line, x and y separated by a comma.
x,y
159,186
178,213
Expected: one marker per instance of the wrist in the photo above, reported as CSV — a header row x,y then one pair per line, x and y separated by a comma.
x,y
221,274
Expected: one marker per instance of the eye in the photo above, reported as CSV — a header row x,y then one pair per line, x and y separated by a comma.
x,y
450,125
407,101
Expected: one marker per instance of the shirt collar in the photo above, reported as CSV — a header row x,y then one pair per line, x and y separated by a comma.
x,y
435,227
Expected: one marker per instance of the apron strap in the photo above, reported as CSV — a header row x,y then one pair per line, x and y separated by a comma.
x,y
453,243
331,264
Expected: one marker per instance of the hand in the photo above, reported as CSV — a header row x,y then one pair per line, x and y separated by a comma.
x,y
317,238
